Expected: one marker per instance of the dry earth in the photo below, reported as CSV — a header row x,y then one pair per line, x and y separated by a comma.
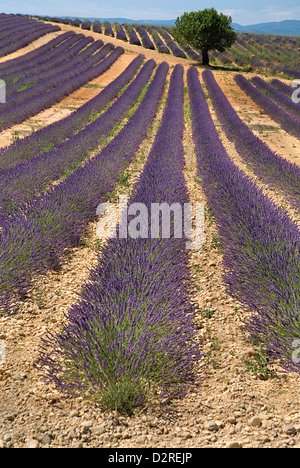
x,y
232,407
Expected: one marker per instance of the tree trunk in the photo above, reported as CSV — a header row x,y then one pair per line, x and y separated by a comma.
x,y
205,57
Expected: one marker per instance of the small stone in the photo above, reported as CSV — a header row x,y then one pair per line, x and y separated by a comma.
x,y
45,440
98,430
141,439
255,422
290,430
32,444
88,424
234,445
212,426
231,420
74,413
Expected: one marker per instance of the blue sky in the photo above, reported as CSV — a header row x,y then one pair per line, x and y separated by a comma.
x,y
255,11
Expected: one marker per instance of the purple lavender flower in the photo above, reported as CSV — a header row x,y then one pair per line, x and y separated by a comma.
x,y
269,166
289,123
133,325
259,241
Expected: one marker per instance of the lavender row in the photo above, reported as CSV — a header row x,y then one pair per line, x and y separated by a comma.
x,y
73,56
38,241
21,40
146,41
121,33
97,28
283,87
86,25
42,54
51,136
15,75
267,165
17,29
108,31
60,66
71,82
177,52
191,53
133,323
260,243
9,23
292,73
133,37
25,181
277,96
161,47
42,51
47,79
289,123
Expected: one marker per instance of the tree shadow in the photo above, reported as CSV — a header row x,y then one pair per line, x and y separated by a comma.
x,y
224,68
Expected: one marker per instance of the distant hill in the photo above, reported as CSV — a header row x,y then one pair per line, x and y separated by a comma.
x,y
287,27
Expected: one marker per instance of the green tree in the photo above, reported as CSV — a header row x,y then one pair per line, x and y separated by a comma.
x,y
205,30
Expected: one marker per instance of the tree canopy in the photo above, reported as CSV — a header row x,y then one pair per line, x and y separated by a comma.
x,y
205,30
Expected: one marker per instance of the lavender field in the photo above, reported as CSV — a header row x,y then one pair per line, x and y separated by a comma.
x,y
145,338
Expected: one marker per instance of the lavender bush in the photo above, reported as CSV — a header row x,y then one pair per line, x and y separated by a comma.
x,y
32,71
277,96
49,137
289,123
23,182
259,241
120,33
97,28
192,54
267,165
292,73
108,31
40,80
24,36
76,23
38,55
133,325
161,47
146,41
177,52
133,37
282,87
84,73
86,25
34,242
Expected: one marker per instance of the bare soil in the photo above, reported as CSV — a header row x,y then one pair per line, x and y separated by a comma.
x,y
231,407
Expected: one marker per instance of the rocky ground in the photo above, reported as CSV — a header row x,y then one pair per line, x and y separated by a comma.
x,y
242,401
